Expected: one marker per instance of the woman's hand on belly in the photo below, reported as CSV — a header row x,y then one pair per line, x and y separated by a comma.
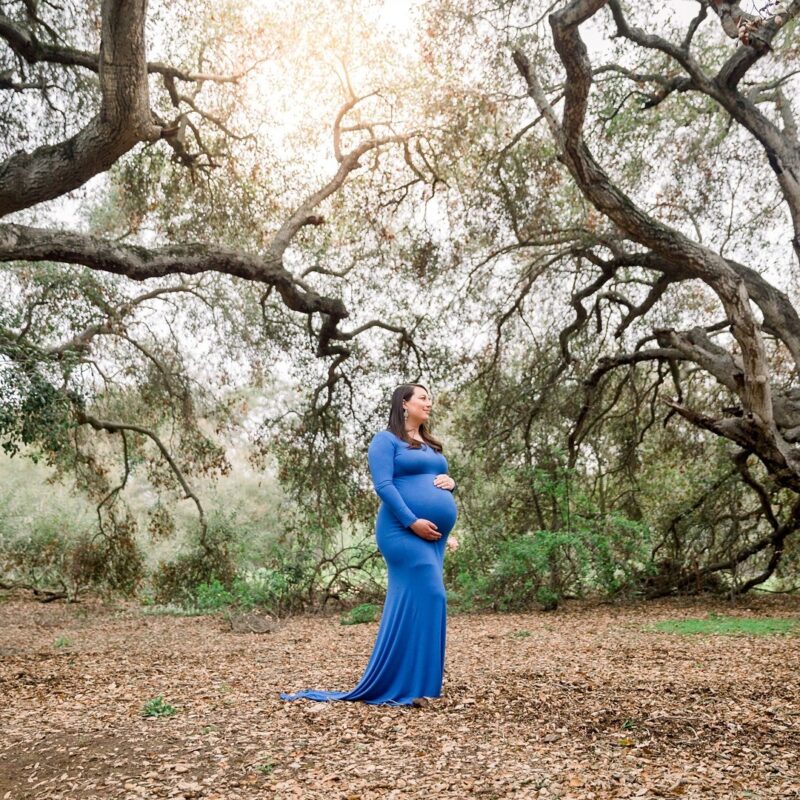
x,y
444,481
425,529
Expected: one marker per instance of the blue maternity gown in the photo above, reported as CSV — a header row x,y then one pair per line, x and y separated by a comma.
x,y
407,660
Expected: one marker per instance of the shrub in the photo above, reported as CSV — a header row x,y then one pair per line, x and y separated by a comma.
x,y
54,553
543,567
212,596
207,560
366,612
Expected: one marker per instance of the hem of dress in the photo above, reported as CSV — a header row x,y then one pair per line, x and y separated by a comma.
x,y
303,696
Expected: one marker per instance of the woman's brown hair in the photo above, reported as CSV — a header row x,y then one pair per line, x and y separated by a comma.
x,y
397,424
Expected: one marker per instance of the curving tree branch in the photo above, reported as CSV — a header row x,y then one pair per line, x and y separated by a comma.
x,y
113,426
679,257
781,146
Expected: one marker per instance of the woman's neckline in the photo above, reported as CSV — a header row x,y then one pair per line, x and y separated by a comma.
x,y
421,441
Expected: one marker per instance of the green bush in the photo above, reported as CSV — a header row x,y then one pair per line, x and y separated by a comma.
x,y
215,574
600,555
208,559
191,582
212,596
366,612
261,587
268,587
512,563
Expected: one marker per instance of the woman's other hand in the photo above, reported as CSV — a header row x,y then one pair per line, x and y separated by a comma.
x,y
444,481
425,529
452,543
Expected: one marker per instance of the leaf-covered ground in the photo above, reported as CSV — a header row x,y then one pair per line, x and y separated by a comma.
x,y
585,702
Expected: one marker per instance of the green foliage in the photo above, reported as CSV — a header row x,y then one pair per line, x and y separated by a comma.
x,y
283,582
715,624
282,588
589,552
62,641
208,559
213,577
212,596
321,470
158,707
263,587
33,413
269,587
366,612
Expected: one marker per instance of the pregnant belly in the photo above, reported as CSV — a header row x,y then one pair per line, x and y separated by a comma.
x,y
428,501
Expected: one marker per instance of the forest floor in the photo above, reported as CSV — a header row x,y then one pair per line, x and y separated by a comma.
x,y
585,702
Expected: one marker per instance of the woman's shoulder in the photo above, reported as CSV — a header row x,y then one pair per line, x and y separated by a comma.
x,y
389,436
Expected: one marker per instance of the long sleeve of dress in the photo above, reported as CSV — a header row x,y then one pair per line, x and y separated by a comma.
x,y
381,465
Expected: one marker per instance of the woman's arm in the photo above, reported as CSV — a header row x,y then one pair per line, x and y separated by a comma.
x,y
381,466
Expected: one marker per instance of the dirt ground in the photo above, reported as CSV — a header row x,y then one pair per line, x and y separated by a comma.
x,y
579,703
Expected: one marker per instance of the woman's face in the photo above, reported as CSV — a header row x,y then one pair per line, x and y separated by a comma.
x,y
418,405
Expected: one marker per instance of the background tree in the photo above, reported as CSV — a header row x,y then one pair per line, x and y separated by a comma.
x,y
590,259
218,210
652,249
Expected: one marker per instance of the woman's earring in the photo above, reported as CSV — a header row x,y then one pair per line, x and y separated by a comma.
x,y
405,413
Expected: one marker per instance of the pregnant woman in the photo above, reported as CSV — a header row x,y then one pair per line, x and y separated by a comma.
x,y
415,518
